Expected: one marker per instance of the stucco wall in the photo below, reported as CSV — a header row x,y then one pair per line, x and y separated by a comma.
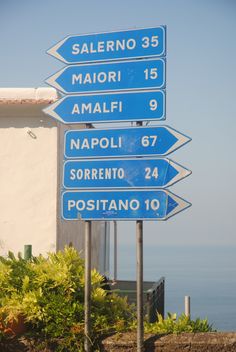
x,y
31,162
28,179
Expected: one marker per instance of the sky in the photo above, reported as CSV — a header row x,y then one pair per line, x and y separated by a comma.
x,y
201,76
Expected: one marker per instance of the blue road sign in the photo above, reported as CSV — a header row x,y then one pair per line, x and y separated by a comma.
x,y
128,44
122,173
121,205
118,142
115,76
109,107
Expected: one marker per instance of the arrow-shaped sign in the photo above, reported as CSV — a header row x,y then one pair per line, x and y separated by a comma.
x,y
121,205
126,44
118,142
109,107
115,76
122,173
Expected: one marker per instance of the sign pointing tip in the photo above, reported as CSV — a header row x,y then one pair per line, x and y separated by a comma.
x,y
175,204
54,50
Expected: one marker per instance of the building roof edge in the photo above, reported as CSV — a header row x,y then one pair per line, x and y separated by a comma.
x,y
40,95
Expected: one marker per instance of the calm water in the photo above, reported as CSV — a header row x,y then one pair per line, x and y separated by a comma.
x,y
206,274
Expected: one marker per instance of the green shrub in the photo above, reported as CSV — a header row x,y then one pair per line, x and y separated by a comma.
x,y
49,293
173,325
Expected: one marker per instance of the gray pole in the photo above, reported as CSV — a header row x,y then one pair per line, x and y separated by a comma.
x,y
187,306
115,250
139,271
139,256
87,290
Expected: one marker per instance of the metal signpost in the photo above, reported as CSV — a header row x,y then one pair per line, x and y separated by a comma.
x,y
113,107
115,251
139,278
87,286
114,174
122,142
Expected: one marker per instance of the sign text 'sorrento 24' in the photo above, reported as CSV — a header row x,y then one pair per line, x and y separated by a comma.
x,y
115,76
128,44
122,173
118,142
109,107
121,205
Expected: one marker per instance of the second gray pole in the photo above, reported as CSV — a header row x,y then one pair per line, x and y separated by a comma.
x,y
115,251
187,306
87,288
139,270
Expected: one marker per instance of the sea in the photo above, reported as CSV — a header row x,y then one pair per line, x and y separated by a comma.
x,y
205,273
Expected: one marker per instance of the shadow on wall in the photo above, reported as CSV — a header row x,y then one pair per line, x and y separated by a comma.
x,y
24,115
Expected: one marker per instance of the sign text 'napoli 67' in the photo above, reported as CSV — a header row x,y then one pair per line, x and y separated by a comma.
x,y
109,107
110,76
121,205
127,44
118,142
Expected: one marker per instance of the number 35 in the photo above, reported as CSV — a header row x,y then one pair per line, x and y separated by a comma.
x,y
146,41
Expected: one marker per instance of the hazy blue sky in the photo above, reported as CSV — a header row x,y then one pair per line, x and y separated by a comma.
x,y
201,99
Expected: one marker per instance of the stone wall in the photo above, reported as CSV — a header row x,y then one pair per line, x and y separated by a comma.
x,y
186,342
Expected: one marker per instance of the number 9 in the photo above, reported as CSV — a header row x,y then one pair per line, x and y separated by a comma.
x,y
153,104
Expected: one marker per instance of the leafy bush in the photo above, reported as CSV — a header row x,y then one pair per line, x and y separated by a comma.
x,y
1,336
49,293
173,325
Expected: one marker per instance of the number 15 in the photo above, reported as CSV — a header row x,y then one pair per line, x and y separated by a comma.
x,y
151,73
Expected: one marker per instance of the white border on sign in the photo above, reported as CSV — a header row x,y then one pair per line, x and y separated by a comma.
x,y
52,79
50,110
182,172
182,205
182,139
53,50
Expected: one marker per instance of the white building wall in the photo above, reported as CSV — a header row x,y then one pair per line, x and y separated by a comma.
x,y
28,174
31,160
